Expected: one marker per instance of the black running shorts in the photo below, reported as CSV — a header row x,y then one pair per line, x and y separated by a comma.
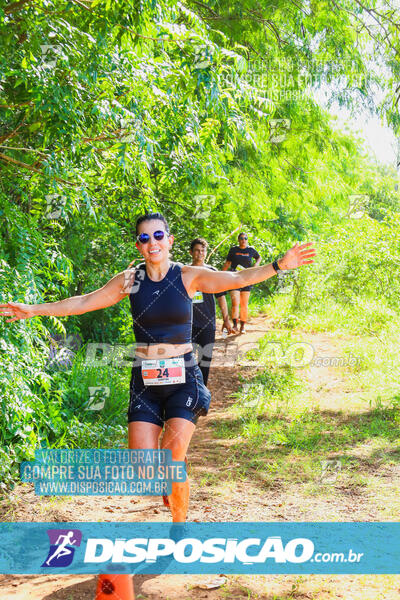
x,y
158,403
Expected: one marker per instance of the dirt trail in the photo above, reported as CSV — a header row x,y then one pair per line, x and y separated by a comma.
x,y
216,497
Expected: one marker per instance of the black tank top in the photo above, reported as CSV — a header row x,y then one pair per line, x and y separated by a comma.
x,y
204,310
161,310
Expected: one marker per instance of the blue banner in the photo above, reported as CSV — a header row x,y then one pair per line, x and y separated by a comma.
x,y
154,548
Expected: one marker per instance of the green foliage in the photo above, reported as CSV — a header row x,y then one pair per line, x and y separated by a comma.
x,y
110,108
355,277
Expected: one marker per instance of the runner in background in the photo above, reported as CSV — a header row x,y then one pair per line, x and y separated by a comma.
x,y
203,326
240,257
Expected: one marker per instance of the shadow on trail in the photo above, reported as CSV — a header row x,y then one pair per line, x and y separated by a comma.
x,y
86,590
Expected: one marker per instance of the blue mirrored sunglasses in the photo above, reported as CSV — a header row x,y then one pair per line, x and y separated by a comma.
x,y
144,238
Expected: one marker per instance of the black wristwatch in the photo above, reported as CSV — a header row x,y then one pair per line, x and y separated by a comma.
x,y
276,266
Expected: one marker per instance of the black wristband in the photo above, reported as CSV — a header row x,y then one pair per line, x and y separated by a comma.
x,y
276,266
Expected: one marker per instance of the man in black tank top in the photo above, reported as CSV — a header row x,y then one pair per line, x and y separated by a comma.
x,y
204,324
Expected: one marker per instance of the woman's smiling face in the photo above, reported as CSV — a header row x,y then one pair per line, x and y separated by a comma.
x,y
154,251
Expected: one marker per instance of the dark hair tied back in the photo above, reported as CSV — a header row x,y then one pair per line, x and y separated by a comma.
x,y
152,217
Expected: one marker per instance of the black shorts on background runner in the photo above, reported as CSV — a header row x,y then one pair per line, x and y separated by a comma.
x,y
205,338
203,328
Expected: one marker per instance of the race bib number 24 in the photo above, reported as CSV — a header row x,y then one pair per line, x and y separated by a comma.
x,y
163,372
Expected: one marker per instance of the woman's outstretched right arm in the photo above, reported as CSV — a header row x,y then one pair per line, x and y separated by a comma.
x,y
112,292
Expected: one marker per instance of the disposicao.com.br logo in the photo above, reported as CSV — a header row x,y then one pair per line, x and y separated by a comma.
x,y
187,550
213,550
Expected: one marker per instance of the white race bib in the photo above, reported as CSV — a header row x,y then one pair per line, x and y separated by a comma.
x,y
198,297
163,371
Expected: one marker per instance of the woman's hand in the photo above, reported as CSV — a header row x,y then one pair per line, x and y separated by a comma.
x,y
132,263
16,311
297,256
129,278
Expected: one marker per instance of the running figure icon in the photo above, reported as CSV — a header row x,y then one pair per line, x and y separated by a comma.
x,y
62,549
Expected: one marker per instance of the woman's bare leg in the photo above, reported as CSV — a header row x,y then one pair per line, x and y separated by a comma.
x,y
244,303
177,435
143,435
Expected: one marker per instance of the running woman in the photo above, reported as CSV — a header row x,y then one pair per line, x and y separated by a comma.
x,y
239,258
203,326
166,384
